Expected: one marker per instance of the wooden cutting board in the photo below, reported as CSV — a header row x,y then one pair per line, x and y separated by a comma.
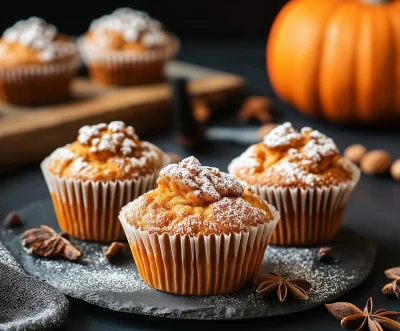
x,y
28,134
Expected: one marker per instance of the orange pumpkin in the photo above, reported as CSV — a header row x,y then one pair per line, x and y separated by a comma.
x,y
338,59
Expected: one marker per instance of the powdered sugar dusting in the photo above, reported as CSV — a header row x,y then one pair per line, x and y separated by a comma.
x,y
38,35
112,148
114,137
292,158
133,24
206,183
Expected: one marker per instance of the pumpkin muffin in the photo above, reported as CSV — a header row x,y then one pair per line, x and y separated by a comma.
x,y
92,178
200,232
127,47
305,177
37,63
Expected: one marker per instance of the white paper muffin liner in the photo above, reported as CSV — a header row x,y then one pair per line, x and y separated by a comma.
x,y
309,216
201,265
92,54
89,210
42,83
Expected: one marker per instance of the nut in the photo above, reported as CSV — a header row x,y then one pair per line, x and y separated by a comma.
x,y
115,251
325,255
376,162
355,153
388,289
265,129
12,220
257,108
395,170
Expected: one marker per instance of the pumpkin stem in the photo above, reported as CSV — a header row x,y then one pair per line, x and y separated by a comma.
x,y
375,2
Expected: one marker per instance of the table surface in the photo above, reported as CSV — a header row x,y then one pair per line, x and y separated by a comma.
x,y
373,211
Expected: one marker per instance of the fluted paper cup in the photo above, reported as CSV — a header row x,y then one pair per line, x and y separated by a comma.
x,y
310,216
124,67
88,210
201,265
37,84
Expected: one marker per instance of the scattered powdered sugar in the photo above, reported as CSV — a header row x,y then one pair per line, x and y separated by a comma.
x,y
120,287
133,24
206,183
328,281
40,36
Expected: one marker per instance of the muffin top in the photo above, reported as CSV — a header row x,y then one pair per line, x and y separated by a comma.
x,y
127,29
34,42
289,158
192,199
106,153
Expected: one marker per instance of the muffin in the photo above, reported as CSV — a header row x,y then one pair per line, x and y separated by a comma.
x,y
92,178
201,232
303,175
37,63
127,47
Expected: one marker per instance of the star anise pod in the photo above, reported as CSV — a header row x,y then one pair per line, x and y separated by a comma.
x,y
393,273
352,318
273,283
45,242
394,286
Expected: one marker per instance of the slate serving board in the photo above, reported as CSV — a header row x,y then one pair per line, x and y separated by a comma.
x,y
119,287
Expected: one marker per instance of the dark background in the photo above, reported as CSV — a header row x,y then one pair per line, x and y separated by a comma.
x,y
189,19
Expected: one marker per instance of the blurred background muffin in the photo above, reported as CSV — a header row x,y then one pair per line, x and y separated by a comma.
x,y
37,63
127,47
303,175
92,178
204,225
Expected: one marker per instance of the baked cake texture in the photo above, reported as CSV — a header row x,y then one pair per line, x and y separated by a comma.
x,y
200,232
91,179
127,47
106,152
288,158
37,63
192,200
303,174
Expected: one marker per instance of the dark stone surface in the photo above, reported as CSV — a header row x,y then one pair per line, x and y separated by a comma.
x,y
119,286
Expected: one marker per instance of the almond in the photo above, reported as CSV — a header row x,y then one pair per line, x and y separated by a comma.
x,y
395,170
265,129
355,153
376,162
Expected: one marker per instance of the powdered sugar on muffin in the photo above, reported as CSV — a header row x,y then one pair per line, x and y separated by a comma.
x,y
132,25
106,152
192,199
39,36
287,157
199,183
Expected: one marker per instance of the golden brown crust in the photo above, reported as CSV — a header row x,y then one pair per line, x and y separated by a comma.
x,y
192,199
288,158
127,30
106,153
34,42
